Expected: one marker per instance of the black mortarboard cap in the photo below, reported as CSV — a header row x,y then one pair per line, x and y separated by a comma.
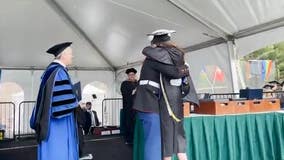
x,y
161,38
268,86
58,48
274,82
131,70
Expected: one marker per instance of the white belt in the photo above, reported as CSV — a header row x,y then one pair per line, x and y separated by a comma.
x,y
151,83
176,82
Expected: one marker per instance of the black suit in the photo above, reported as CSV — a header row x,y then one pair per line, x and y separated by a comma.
x,y
80,116
88,121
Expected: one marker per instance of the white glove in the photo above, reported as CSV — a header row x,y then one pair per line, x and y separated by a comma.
x,y
176,82
133,91
186,64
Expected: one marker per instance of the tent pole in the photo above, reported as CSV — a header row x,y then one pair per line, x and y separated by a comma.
x,y
213,27
205,44
128,65
32,84
60,11
260,28
232,61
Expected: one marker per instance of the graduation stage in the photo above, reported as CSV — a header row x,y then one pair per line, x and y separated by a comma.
x,y
104,148
229,137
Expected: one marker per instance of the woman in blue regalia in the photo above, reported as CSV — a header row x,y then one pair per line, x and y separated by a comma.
x,y
53,116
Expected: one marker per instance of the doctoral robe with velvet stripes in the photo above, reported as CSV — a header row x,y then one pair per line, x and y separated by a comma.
x,y
60,142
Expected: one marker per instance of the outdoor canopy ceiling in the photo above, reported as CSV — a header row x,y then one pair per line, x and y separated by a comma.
x,y
108,34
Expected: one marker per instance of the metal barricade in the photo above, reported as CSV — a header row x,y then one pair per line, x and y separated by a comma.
x,y
25,111
274,94
224,96
111,111
7,119
279,94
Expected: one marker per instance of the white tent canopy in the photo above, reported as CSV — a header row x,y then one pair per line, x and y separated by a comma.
x,y
109,35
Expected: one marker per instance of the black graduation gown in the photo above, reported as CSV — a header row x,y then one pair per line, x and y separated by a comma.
x,y
126,90
173,135
128,118
147,97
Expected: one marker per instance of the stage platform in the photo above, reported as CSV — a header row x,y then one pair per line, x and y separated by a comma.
x,y
256,136
103,148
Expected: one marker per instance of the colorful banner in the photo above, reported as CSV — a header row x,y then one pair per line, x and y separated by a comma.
x,y
257,72
219,75
266,66
210,78
268,69
204,78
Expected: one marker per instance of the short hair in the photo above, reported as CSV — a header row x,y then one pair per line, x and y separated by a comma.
x,y
58,56
129,70
88,103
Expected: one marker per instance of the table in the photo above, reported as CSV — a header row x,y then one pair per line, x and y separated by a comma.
x,y
229,137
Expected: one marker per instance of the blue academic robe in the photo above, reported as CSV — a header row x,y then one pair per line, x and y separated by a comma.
x,y
53,117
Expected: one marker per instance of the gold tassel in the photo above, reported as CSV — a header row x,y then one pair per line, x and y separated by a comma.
x,y
171,113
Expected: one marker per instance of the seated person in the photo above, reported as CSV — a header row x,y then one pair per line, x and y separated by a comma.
x,y
276,85
91,119
267,91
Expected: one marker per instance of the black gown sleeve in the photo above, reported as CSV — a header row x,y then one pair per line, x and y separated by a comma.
x,y
157,53
169,70
124,89
126,93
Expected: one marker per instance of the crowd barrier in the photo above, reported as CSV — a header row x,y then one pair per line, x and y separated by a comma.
x,y
14,119
7,120
111,111
25,111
